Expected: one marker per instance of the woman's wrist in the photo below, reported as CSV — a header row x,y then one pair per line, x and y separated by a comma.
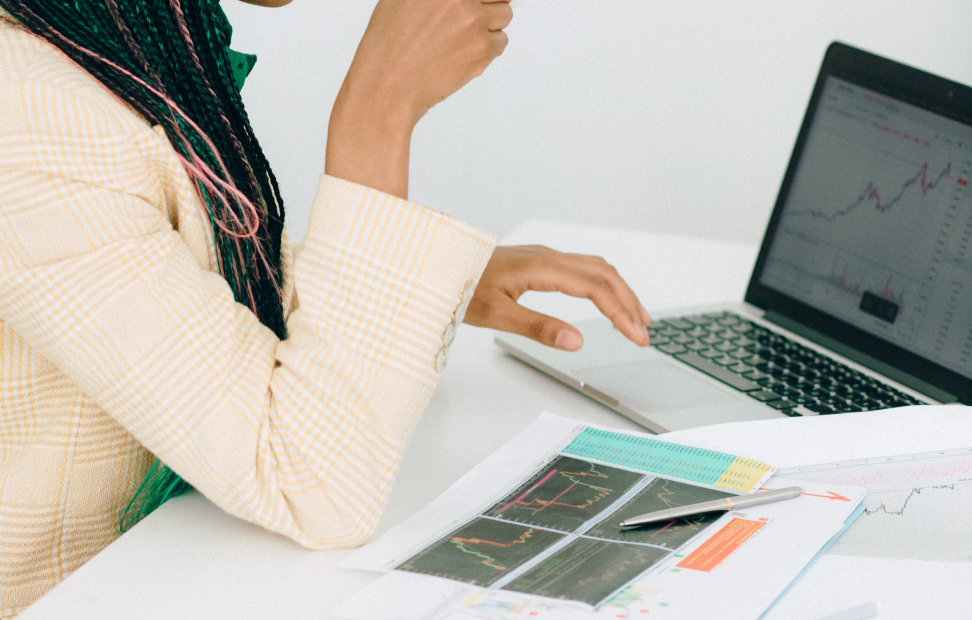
x,y
369,136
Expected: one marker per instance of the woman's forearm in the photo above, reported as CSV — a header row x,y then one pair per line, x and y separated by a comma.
x,y
414,54
368,143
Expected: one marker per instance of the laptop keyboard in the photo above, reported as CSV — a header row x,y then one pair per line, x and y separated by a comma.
x,y
770,367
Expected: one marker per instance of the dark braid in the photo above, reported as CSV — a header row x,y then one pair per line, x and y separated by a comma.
x,y
132,45
168,60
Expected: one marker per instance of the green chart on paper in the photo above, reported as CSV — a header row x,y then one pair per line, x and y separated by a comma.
x,y
708,467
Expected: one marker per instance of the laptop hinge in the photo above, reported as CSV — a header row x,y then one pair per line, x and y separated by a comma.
x,y
862,358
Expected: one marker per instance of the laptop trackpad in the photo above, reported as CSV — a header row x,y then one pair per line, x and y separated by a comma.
x,y
654,385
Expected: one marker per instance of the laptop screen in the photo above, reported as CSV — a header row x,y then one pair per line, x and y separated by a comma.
x,y
874,223
876,227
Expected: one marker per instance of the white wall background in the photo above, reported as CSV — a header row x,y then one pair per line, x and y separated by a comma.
x,y
673,116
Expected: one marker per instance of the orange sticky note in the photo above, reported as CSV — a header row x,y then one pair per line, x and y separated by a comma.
x,y
720,546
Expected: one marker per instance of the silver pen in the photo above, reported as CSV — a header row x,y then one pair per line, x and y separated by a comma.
x,y
736,502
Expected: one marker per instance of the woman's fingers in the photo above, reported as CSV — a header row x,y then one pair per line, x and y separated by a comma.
x,y
415,53
593,278
508,316
497,15
514,270
607,289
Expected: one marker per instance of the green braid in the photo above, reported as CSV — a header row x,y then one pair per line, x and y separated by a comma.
x,y
150,51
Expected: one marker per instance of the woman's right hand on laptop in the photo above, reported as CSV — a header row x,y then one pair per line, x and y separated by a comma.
x,y
514,270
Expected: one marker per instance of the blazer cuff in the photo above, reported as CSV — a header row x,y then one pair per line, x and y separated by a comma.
x,y
429,261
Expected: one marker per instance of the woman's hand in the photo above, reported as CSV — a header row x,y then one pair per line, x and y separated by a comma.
x,y
422,51
515,270
414,54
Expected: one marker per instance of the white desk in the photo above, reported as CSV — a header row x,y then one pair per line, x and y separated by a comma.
x,y
191,560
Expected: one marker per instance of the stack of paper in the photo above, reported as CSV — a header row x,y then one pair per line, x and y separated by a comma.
x,y
533,530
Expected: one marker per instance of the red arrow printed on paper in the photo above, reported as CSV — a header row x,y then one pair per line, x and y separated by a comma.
x,y
829,495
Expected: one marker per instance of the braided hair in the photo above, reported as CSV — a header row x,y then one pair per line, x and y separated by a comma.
x,y
168,59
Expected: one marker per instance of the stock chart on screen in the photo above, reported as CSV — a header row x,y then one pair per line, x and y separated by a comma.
x,y
877,224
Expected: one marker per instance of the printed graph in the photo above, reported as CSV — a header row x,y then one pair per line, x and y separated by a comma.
x,y
659,495
481,552
587,570
917,506
565,494
552,535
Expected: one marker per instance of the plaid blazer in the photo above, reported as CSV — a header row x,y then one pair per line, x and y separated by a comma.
x,y
120,343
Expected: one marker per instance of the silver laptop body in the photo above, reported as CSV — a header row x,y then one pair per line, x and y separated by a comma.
x,y
863,264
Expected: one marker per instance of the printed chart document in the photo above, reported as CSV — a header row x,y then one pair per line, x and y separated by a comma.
x,y
915,464
917,505
535,528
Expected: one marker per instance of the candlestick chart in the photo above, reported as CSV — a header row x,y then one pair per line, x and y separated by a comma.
x,y
659,495
587,570
481,552
565,494
920,185
917,505
875,230
841,242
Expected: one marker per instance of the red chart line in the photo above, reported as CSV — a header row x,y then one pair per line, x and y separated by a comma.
x,y
530,490
554,499
915,476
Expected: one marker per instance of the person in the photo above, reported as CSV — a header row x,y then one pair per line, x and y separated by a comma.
x,y
157,330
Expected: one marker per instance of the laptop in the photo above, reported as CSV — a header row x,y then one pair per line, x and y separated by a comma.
x,y
861,296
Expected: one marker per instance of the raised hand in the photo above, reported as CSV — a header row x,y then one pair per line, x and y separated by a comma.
x,y
414,54
422,51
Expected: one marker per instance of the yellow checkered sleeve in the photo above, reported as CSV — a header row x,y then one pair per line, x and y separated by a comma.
x,y
119,341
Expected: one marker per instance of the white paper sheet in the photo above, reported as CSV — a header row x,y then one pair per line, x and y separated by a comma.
x,y
752,576
905,589
793,442
917,505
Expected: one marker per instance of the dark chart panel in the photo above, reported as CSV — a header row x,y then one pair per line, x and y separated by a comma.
x,y
565,494
659,495
587,570
481,552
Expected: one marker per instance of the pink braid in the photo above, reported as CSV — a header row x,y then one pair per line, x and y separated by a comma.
x,y
195,167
